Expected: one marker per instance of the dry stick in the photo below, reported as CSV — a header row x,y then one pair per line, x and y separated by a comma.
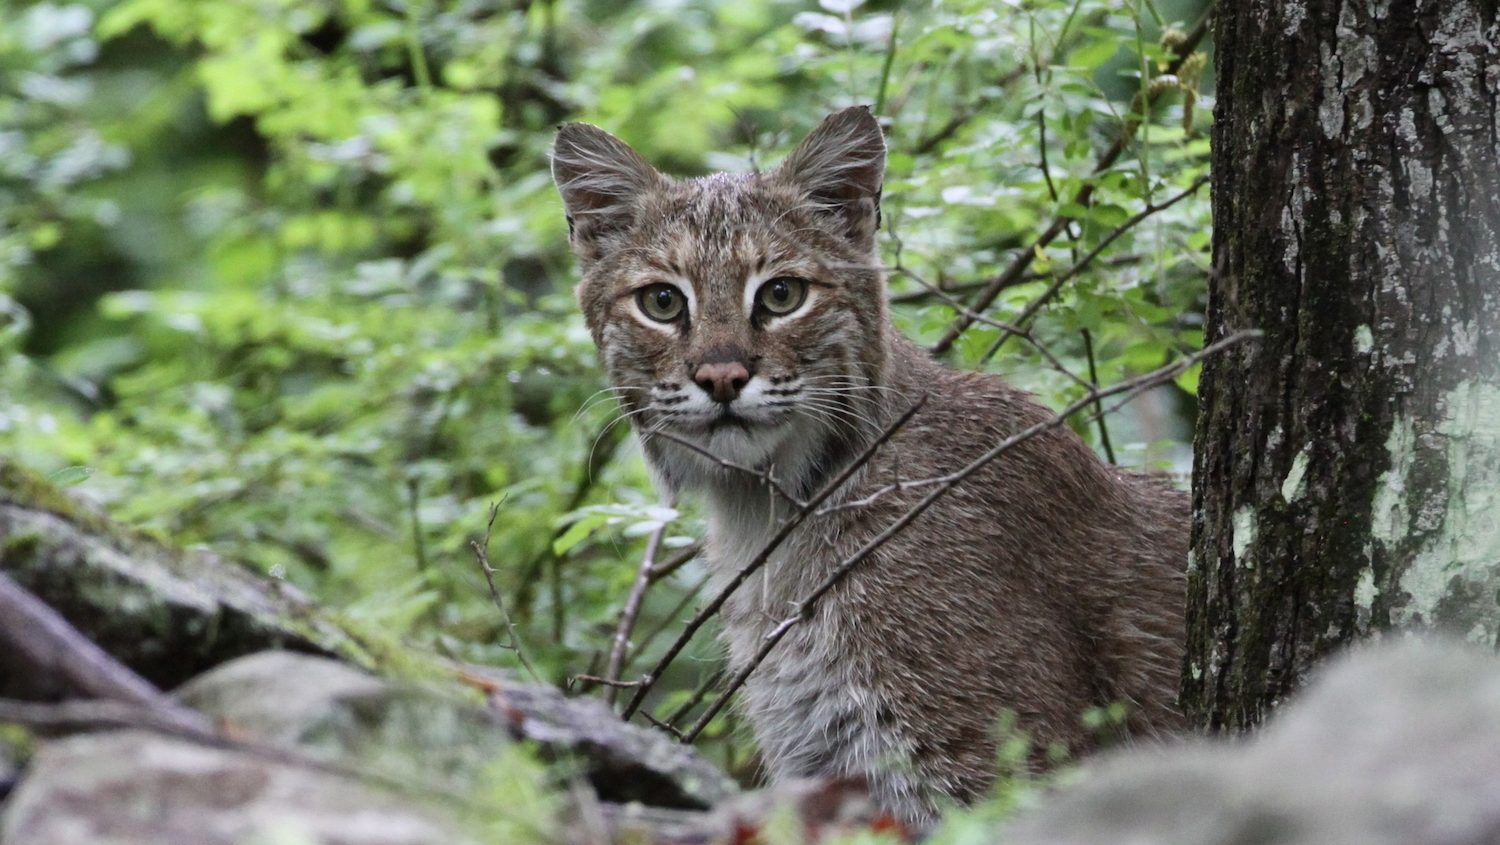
x,y
804,608
1015,272
666,621
1025,335
693,700
959,307
766,476
954,290
654,573
37,640
787,527
76,715
602,681
655,722
1057,282
482,554
1088,351
632,611
676,562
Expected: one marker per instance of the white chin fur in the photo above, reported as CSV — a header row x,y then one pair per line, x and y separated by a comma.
x,y
786,446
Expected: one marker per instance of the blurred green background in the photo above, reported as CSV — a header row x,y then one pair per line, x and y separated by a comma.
x,y
288,279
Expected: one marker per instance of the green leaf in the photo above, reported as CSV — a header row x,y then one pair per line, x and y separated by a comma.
x,y
71,476
1188,381
578,532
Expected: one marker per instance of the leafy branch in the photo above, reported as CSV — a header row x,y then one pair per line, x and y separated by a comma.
x,y
1015,273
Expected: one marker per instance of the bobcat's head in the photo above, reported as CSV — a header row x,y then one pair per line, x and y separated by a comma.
x,y
744,313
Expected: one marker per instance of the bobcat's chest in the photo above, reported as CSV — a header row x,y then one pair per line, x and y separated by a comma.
x,y
812,702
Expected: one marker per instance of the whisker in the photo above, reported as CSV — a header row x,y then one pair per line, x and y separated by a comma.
x,y
605,430
597,397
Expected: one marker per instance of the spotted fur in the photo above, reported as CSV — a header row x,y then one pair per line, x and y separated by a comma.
x,y
1046,584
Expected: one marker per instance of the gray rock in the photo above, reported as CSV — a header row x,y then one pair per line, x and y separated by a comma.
x,y
8,772
1397,744
324,705
166,613
624,762
136,788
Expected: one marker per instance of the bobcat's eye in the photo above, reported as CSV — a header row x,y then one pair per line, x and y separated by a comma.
x,y
661,302
782,295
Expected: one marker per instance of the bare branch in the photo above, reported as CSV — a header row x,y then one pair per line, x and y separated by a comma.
x,y
1088,351
37,640
667,620
663,725
676,562
612,683
632,611
89,714
931,291
37,643
695,699
1015,272
1008,328
963,309
765,476
482,555
787,527
804,608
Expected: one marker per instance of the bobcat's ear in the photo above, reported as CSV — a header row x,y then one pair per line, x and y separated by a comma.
x,y
841,167
602,181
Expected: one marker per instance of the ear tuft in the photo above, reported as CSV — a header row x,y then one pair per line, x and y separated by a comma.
x,y
602,181
840,166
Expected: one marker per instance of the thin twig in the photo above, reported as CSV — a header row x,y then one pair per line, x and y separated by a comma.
x,y
413,503
766,476
786,529
696,698
954,290
663,725
43,648
482,554
628,616
1010,328
1088,351
958,306
803,609
1015,272
667,621
611,683
676,562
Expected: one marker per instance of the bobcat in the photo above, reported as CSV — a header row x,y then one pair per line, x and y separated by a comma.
x,y
747,314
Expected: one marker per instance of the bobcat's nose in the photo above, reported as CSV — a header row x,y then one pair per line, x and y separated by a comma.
x,y
722,381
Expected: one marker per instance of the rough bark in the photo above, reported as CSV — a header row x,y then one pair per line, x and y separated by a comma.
x,y
1347,476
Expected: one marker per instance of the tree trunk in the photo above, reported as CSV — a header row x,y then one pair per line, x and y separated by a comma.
x,y
1347,470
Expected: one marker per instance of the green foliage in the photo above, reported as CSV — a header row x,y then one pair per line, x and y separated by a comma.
x,y
288,278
